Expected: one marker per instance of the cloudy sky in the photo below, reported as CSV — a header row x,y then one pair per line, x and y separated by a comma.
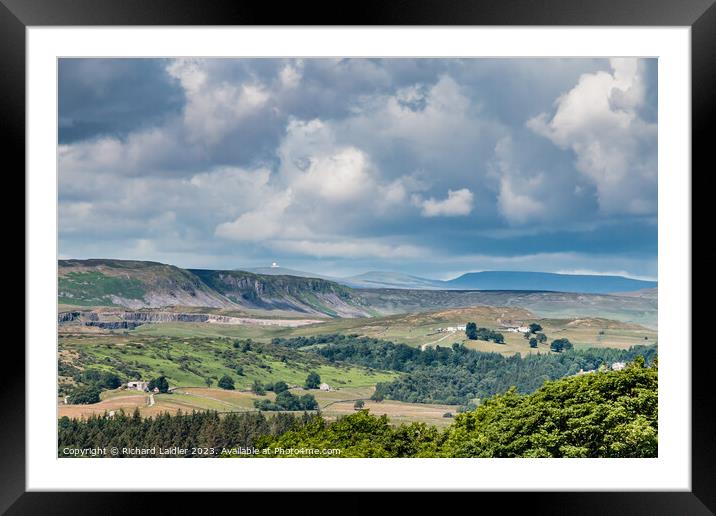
x,y
429,167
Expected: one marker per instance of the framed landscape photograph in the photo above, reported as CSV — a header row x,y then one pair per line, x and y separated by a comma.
x,y
451,258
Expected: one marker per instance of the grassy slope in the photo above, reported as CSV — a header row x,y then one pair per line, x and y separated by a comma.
x,y
420,329
188,361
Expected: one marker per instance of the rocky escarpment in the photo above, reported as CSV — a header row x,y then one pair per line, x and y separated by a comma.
x,y
291,293
116,325
128,320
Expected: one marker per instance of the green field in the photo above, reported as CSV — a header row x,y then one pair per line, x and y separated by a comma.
x,y
189,361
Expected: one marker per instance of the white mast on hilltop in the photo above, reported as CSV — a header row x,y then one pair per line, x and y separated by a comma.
x,y
274,265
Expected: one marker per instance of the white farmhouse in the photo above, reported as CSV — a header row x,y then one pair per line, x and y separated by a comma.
x,y
137,385
618,366
324,387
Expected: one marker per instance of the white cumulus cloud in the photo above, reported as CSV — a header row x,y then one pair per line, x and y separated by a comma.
x,y
457,203
599,120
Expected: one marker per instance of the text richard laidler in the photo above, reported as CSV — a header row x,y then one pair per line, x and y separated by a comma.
x,y
158,451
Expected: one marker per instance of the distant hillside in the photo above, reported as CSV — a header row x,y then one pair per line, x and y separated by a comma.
x,y
639,310
133,284
518,280
380,279
139,284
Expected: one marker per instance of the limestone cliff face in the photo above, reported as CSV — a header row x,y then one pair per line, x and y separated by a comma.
x,y
292,293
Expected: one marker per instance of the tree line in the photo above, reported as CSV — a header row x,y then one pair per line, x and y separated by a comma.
x,y
195,430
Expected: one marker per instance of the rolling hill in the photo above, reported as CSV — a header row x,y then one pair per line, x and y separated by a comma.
x,y
519,280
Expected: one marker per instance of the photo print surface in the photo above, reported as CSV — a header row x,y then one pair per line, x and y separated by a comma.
x,y
319,257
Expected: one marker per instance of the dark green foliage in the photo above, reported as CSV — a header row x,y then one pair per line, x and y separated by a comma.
x,y
359,404
313,381
226,382
279,387
257,388
560,345
198,429
286,400
243,345
359,435
377,396
102,380
325,338
541,337
605,414
490,335
457,375
533,342
84,395
160,383
534,328
471,331
475,333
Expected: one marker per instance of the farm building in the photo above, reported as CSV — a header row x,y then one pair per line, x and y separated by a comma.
x,y
137,385
618,366
451,328
324,387
515,329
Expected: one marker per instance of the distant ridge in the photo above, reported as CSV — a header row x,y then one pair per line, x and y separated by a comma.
x,y
526,281
283,271
548,281
380,279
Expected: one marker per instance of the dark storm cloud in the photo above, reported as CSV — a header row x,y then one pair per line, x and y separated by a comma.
x,y
114,96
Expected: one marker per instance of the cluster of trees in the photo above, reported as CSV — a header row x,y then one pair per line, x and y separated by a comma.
x,y
606,414
286,400
103,380
313,381
160,383
84,395
226,382
302,342
560,345
539,338
474,333
89,384
535,336
198,429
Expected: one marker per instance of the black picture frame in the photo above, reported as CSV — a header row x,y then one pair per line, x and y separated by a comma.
x,y
700,15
